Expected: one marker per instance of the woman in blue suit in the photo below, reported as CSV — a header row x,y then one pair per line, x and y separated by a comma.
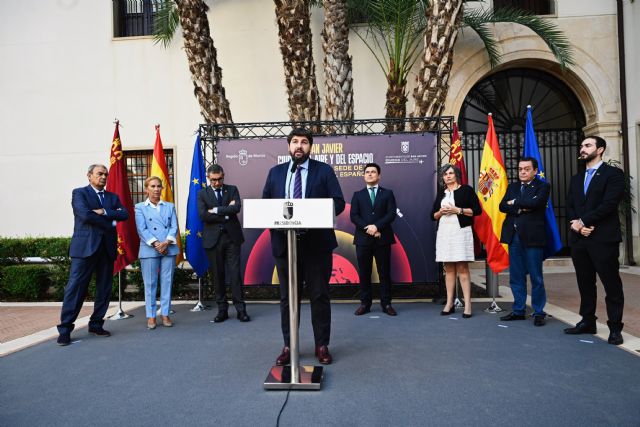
x,y
157,226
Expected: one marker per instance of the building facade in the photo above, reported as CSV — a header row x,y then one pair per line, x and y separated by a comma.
x,y
67,75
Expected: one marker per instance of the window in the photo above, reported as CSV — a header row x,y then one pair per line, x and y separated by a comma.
x,y
537,7
139,169
134,17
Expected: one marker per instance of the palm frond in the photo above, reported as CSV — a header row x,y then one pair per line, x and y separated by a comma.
x,y
165,23
473,20
547,30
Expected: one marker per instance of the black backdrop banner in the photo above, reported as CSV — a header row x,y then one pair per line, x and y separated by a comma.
x,y
408,167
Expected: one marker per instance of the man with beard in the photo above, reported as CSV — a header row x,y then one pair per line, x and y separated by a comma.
x,y
305,178
592,209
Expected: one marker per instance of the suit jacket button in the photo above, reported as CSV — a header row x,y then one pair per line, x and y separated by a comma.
x,y
154,228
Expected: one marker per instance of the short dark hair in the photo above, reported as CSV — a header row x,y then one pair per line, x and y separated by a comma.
x,y
600,142
445,168
215,169
372,165
300,132
534,161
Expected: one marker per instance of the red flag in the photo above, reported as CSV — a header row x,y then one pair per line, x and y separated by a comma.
x,y
128,240
455,156
492,186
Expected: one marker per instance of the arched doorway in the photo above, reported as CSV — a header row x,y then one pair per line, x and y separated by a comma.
x,y
558,121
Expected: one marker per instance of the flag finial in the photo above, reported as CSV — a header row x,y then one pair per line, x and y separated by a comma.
x,y
529,106
491,114
158,127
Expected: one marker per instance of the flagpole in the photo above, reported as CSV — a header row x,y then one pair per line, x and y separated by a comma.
x,y
199,306
120,314
492,289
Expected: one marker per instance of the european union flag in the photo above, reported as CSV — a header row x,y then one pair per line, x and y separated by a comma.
x,y
554,244
194,250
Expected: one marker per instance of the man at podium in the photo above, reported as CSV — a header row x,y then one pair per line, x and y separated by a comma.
x,y
305,178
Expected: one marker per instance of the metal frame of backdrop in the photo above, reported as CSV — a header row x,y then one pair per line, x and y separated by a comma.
x,y
211,133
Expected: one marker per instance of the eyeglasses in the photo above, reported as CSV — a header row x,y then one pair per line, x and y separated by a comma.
x,y
216,179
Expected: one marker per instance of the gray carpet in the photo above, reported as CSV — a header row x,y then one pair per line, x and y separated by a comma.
x,y
416,369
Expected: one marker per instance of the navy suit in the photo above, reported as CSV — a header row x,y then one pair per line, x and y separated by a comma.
x,y
93,248
315,247
381,214
221,238
598,253
524,231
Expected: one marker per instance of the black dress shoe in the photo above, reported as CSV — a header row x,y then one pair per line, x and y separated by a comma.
x,y
582,328
538,321
99,332
512,316
221,317
64,339
615,338
363,309
451,311
284,358
466,316
243,316
388,309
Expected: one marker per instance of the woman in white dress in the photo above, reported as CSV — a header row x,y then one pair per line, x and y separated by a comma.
x,y
454,209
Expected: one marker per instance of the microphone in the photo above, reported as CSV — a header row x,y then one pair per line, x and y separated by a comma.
x,y
294,166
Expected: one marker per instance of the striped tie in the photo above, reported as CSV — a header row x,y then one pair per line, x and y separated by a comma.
x,y
297,184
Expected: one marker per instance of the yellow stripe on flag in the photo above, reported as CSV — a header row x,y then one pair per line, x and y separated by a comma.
x,y
159,169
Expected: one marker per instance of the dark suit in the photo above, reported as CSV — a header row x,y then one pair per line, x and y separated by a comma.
x,y
598,253
381,214
93,248
221,238
524,231
315,247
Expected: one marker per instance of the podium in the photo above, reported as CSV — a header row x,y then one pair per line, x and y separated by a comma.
x,y
290,215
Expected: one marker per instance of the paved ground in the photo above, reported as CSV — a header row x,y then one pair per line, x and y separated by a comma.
x,y
24,324
416,369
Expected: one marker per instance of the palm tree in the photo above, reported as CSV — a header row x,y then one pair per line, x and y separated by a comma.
x,y
206,74
445,18
294,35
393,37
337,62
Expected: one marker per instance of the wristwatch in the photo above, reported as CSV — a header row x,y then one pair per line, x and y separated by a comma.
x,y
460,211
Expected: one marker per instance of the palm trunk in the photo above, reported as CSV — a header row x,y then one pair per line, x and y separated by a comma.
x,y
337,62
294,35
432,83
396,104
206,74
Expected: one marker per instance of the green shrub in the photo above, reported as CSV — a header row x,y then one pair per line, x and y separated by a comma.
x,y
14,250
25,282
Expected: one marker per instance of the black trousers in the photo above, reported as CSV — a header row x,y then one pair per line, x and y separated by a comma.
x,y
602,259
76,290
224,266
382,255
314,270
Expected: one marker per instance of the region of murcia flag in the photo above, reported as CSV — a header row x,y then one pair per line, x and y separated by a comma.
x,y
159,169
118,183
492,186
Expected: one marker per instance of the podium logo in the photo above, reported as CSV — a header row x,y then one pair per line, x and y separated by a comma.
x,y
404,146
287,210
243,157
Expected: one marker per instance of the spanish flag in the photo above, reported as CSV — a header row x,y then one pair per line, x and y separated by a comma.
x,y
492,186
159,169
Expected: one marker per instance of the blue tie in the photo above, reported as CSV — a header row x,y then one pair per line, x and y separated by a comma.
x,y
588,179
297,184
101,196
219,197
